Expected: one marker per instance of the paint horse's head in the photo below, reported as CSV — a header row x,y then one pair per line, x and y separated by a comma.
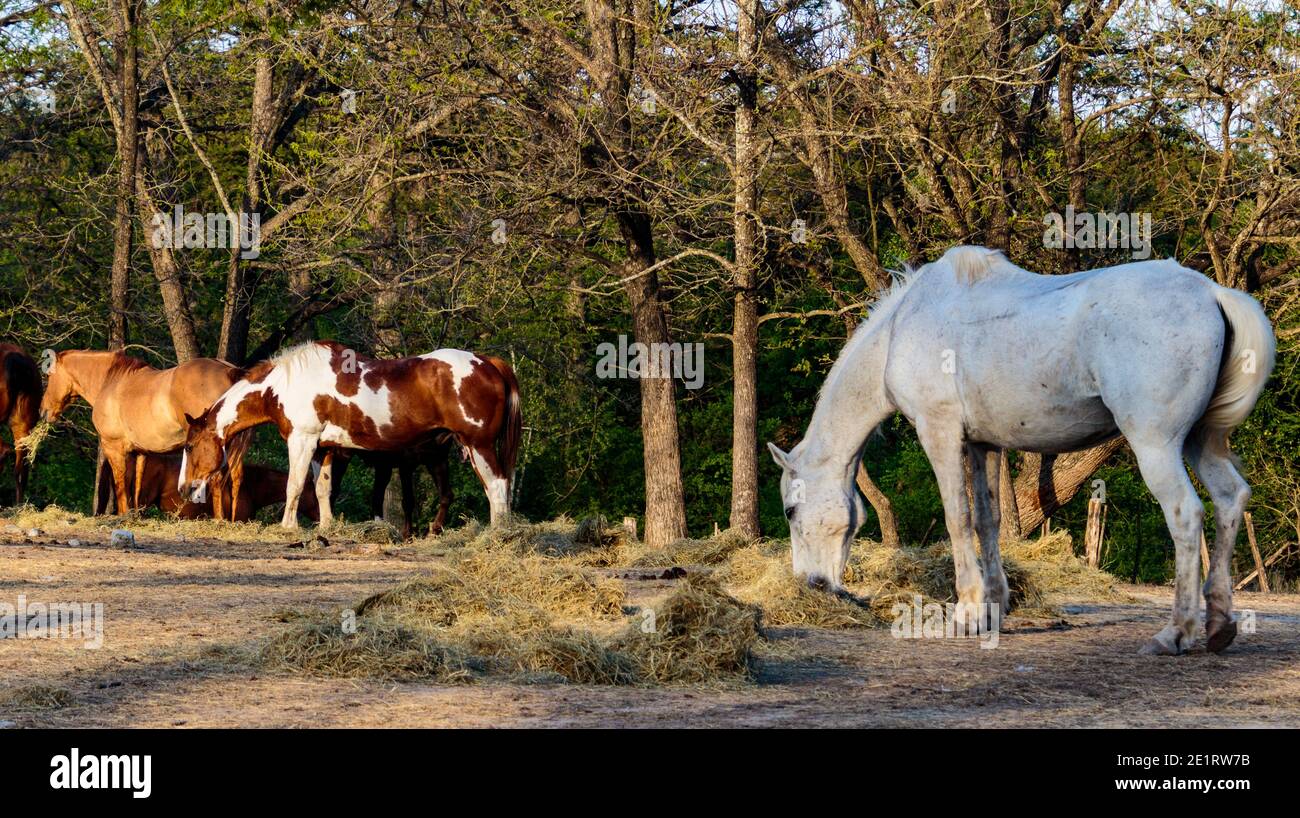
x,y
60,389
203,458
824,510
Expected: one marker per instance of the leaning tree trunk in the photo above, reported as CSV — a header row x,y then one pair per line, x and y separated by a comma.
x,y
1010,510
1046,484
879,502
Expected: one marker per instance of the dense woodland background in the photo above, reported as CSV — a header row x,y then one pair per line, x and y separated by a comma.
x,y
648,162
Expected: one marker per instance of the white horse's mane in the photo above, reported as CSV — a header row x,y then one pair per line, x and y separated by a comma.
x,y
878,314
970,265
299,357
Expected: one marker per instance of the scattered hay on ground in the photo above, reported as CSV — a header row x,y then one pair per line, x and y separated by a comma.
x,y
1051,565
377,649
591,541
35,697
758,576
529,621
714,550
55,520
1041,573
701,634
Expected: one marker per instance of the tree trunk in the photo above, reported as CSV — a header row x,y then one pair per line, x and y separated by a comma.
x,y
884,509
1046,484
1072,144
237,315
665,505
127,160
744,332
167,271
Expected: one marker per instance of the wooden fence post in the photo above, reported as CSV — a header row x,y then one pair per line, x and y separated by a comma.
x,y
1254,550
1095,530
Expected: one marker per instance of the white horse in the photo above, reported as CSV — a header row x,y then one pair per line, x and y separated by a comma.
x,y
981,355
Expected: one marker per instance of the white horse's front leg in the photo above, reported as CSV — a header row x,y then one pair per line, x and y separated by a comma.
x,y
943,442
301,448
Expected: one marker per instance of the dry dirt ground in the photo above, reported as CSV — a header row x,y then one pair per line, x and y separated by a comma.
x,y
171,608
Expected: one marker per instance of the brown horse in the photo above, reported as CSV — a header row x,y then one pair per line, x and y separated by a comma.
x,y
433,454
261,487
20,400
138,409
323,394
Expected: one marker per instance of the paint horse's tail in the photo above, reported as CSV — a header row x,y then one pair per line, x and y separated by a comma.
x,y
512,429
1247,363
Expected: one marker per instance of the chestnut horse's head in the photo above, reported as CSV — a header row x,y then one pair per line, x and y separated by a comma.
x,y
60,389
203,458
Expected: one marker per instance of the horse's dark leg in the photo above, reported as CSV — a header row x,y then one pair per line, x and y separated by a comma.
x,y
383,473
437,463
406,473
22,462
103,499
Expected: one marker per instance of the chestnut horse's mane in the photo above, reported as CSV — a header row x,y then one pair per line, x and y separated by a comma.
x,y
123,363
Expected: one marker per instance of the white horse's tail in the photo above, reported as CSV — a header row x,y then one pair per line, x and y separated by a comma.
x,y
1247,364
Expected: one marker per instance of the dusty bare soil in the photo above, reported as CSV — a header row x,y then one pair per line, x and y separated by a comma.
x,y
175,609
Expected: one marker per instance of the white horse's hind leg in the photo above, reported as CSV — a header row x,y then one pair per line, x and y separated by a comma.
x,y
324,484
1164,473
945,448
985,470
1230,493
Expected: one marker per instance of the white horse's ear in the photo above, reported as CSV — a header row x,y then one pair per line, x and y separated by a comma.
x,y
781,458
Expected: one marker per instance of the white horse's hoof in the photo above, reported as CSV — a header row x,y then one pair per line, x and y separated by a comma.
x,y
1164,643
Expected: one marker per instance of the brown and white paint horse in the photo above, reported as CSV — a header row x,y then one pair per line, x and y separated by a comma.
x,y
261,487
324,394
20,399
137,409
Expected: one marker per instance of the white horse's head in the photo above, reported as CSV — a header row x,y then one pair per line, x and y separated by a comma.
x,y
824,510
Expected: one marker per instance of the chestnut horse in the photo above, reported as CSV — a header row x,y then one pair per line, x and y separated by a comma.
x,y
20,400
138,409
323,394
433,454
261,487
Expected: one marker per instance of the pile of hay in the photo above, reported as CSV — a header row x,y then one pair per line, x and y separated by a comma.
x,y
526,602
526,618
763,577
